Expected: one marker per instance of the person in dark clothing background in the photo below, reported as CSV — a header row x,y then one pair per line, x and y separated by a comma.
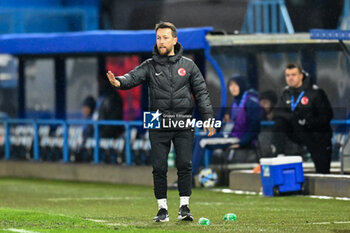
x,y
109,106
268,101
303,114
245,114
174,83
87,109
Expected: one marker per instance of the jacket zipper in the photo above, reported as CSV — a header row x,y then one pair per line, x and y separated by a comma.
x,y
172,87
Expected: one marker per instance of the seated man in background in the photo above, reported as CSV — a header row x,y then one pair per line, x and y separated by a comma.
x,y
245,115
303,114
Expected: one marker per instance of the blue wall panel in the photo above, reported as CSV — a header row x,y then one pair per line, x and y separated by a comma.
x,y
30,3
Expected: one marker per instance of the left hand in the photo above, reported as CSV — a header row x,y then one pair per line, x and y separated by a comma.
x,y
211,131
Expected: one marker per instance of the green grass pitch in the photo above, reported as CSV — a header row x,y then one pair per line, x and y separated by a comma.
x,y
28,205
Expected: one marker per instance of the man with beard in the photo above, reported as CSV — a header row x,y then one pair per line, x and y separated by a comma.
x,y
174,83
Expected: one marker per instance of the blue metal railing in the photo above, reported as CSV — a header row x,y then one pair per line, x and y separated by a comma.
x,y
333,122
96,155
65,124
267,16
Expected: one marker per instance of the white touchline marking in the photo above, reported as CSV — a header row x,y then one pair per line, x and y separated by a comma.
x,y
20,230
323,223
343,198
96,220
329,175
105,222
225,190
116,224
237,191
212,203
321,197
260,193
328,197
91,198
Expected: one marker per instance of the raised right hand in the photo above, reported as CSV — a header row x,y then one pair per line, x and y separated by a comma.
x,y
112,79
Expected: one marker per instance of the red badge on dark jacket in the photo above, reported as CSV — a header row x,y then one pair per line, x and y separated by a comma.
x,y
304,100
181,72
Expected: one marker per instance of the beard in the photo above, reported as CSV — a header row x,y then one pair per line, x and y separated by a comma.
x,y
165,52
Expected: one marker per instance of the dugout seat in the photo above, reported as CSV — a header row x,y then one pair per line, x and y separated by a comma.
x,y
112,150
21,140
345,156
141,150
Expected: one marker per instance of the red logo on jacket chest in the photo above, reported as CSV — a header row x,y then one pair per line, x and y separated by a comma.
x,y
304,100
181,72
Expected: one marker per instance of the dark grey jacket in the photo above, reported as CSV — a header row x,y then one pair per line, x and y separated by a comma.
x,y
174,84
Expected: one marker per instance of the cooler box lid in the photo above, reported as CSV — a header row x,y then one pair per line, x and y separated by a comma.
x,y
281,160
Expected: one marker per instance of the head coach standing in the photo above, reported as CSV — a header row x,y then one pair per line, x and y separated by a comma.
x,y
174,84
303,113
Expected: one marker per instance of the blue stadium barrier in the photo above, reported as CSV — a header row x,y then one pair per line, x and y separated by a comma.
x,y
47,20
121,41
333,122
22,16
31,3
65,124
267,16
323,34
339,35
96,156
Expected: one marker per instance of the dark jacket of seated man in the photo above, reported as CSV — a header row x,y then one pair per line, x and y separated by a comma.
x,y
303,114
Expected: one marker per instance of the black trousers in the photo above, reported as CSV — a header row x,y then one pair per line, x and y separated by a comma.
x,y
319,144
160,147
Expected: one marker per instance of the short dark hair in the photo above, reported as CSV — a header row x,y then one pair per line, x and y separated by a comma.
x,y
269,95
293,66
167,25
89,102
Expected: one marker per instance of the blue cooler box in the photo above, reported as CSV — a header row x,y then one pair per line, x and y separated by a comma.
x,y
281,174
